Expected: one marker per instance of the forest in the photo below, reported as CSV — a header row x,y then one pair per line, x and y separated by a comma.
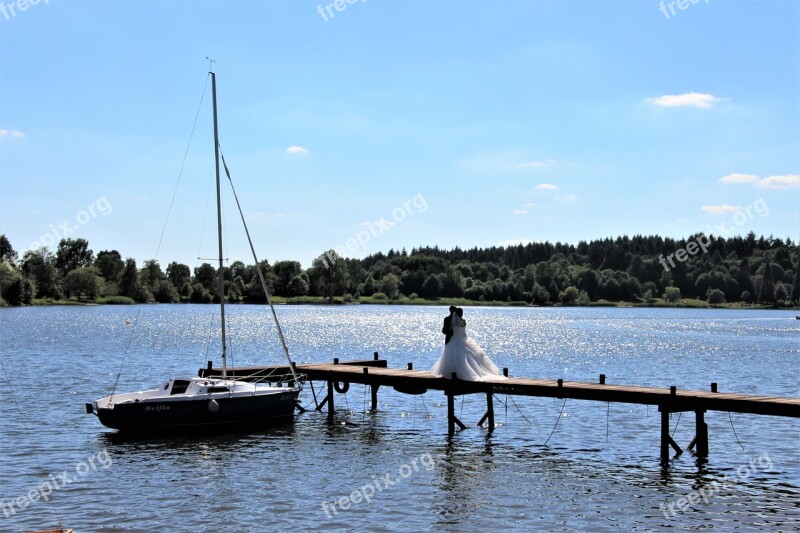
x,y
643,270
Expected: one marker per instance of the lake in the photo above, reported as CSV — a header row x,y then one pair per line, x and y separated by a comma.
x,y
599,470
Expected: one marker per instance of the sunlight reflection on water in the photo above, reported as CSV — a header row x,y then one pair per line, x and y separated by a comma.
x,y
599,471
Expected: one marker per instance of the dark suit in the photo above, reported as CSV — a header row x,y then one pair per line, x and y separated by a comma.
x,y
447,329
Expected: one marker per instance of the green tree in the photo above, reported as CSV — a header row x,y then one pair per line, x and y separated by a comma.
x,y
583,299
453,283
129,281
715,297
285,271
72,254
39,266
178,274
795,295
569,295
83,282
540,295
150,276
781,294
207,276
164,292
369,286
390,286
431,287
7,253
766,293
15,289
109,264
672,295
329,274
746,296
298,286
200,295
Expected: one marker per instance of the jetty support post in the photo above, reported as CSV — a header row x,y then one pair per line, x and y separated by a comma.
x,y
666,439
374,394
452,420
330,401
489,416
701,433
451,415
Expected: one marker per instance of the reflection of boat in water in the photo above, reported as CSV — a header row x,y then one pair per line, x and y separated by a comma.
x,y
205,403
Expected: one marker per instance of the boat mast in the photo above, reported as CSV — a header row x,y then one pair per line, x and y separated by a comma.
x,y
219,229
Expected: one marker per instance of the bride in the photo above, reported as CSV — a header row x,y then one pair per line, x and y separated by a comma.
x,y
463,356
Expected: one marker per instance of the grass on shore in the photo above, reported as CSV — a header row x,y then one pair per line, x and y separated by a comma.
x,y
687,303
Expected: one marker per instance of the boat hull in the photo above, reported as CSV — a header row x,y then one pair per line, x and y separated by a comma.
x,y
233,413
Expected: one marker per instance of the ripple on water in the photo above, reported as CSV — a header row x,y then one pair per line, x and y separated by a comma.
x,y
599,471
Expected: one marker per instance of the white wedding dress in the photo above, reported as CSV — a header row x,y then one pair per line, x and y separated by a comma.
x,y
463,356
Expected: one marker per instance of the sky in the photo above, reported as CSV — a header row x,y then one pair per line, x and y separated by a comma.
x,y
370,125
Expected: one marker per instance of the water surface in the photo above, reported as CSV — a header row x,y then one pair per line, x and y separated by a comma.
x,y
599,470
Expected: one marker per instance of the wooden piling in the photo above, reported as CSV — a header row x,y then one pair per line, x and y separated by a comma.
x,y
451,415
330,401
490,410
701,434
664,437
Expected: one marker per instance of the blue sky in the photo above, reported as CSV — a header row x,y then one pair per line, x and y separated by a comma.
x,y
459,123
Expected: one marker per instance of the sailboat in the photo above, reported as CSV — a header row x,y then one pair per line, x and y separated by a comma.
x,y
186,403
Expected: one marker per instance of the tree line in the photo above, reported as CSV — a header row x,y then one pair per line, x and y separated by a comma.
x,y
749,269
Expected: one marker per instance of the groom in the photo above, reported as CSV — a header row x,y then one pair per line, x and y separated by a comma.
x,y
446,328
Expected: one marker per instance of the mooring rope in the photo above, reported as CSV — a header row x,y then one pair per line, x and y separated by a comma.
x,y
76,423
422,397
608,412
519,410
28,435
124,356
676,424
556,424
734,430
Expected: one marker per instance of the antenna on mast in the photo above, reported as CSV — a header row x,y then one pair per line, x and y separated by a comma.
x,y
210,63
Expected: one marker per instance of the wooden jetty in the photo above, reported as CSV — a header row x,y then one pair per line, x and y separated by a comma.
x,y
375,372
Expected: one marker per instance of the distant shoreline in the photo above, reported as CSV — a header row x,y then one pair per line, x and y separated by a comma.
x,y
442,302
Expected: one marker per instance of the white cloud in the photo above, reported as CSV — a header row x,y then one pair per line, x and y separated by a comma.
x,y
566,198
789,181
692,99
721,209
738,178
536,164
525,209
546,187
12,133
297,150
